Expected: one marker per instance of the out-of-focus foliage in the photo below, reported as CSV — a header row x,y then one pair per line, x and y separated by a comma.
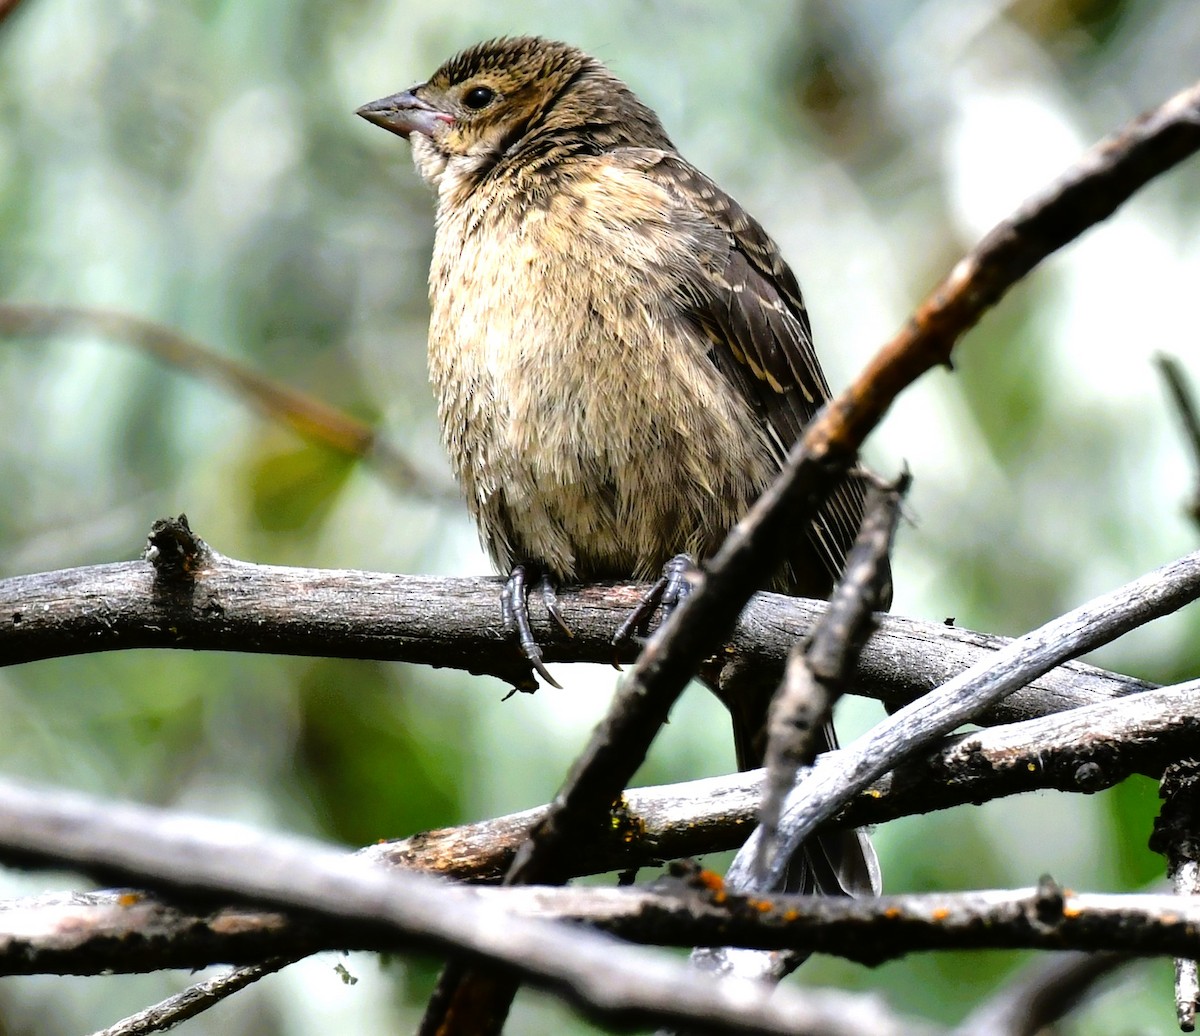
x,y
198,163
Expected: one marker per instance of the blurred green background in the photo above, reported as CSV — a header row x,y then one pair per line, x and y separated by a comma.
x,y
199,163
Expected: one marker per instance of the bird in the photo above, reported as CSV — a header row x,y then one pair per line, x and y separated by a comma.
x,y
622,358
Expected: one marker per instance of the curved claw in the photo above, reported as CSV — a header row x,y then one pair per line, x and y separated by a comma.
x,y
668,593
550,601
514,613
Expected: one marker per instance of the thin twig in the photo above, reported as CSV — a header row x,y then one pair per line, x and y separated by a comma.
x,y
1187,973
832,782
1090,191
1041,995
1189,418
194,1000
819,668
308,416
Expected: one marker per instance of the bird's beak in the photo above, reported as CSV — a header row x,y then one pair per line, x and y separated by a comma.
x,y
404,113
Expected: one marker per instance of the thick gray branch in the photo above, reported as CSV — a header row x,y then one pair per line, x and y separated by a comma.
x,y
198,856
230,605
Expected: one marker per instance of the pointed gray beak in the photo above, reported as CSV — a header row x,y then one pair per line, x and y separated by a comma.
x,y
405,113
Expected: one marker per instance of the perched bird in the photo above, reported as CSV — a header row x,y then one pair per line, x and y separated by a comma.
x,y
621,357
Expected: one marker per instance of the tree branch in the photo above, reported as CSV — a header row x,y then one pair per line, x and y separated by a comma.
x,y
1090,191
869,931
194,1000
202,858
1189,419
229,605
1041,995
311,418
833,781
1078,751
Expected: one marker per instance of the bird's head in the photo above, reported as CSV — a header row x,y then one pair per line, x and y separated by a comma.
x,y
500,97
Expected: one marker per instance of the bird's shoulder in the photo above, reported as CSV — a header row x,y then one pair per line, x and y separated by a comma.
x,y
735,286
693,194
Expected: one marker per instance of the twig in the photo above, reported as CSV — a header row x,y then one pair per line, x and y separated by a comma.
x,y
832,782
1187,975
192,1001
1041,995
1090,191
1189,417
819,668
308,416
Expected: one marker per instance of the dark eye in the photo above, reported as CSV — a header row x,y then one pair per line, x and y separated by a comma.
x,y
479,97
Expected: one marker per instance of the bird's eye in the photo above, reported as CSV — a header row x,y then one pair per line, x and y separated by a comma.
x,y
479,97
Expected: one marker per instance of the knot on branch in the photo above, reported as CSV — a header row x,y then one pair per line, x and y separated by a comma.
x,y
1091,771
1090,777
1049,901
1177,827
173,549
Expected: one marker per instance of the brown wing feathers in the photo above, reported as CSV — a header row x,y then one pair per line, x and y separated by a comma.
x,y
751,310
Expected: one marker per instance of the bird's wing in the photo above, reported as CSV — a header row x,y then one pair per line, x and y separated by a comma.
x,y
745,299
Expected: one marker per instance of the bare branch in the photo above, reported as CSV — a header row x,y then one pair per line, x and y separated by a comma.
x,y
1041,995
1189,417
1083,750
306,415
194,1000
1090,191
231,605
834,780
800,717
869,930
202,857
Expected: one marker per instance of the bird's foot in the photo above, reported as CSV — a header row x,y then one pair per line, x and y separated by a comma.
x,y
514,611
668,593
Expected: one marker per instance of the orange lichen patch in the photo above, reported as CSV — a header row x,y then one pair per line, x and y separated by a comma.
x,y
791,915
763,906
709,880
128,899
1070,911
893,913
940,913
